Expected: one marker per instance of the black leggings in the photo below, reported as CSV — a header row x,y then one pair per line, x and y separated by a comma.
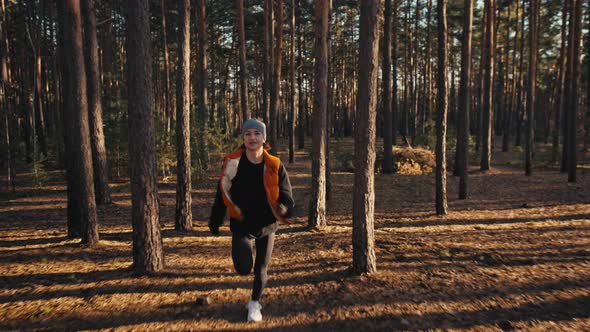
x,y
241,252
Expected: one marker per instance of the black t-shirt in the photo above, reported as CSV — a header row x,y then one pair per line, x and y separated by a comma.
x,y
247,192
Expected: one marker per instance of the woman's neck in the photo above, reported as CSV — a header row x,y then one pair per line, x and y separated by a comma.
x,y
255,156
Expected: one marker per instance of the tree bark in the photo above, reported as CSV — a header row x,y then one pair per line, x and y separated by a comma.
x,y
81,199
203,78
387,166
317,203
184,215
300,98
363,206
243,70
276,79
572,124
394,62
487,111
293,94
531,95
559,102
148,255
97,140
442,106
464,100
268,59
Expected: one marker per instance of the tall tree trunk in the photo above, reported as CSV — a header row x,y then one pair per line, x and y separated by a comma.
x,y
268,59
203,78
559,101
317,203
487,111
148,254
394,62
575,89
464,100
568,87
184,215
442,107
81,200
242,47
167,100
512,108
301,98
276,79
97,141
531,95
4,92
363,205
387,165
293,98
428,64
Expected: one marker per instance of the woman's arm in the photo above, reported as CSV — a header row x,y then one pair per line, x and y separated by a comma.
x,y
285,192
217,212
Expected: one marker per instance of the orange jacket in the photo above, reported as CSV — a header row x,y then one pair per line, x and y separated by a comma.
x,y
270,178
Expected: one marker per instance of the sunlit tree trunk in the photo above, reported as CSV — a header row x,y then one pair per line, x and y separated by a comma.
x,y
293,94
363,205
242,51
442,109
487,110
276,79
464,100
81,199
183,217
148,254
387,165
97,140
317,203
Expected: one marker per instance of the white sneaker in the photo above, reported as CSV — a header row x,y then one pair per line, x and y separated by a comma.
x,y
254,314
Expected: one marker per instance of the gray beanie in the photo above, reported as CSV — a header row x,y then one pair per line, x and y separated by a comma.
x,y
255,124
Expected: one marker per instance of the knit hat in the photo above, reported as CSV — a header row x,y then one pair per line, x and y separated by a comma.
x,y
255,124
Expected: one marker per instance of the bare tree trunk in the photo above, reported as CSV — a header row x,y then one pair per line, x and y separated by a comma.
x,y
387,165
97,141
464,100
242,47
512,109
394,62
531,95
293,94
268,59
317,203
559,104
4,92
301,104
363,205
575,83
442,108
201,83
184,215
80,182
148,255
167,100
276,79
487,111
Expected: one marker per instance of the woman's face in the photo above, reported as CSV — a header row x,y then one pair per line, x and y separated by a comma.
x,y
253,139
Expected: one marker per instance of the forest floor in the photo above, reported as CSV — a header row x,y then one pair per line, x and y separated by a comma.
x,y
515,255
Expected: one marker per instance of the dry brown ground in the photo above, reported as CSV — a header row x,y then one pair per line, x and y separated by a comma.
x,y
515,255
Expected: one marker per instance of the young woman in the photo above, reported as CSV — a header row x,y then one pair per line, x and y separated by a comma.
x,y
255,188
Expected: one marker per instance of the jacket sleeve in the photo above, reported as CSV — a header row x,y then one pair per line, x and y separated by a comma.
x,y
285,192
217,211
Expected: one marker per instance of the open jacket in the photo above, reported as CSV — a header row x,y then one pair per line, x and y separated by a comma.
x,y
276,186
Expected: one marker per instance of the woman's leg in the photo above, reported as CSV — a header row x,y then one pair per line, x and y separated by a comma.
x,y
264,248
241,253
